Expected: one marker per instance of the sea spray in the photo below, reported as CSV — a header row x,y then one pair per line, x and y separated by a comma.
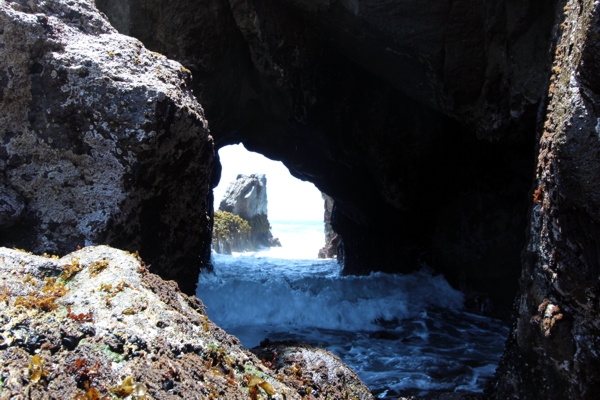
x,y
260,291
401,333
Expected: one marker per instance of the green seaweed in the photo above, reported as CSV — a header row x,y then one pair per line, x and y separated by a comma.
x,y
111,355
260,224
230,226
251,369
231,232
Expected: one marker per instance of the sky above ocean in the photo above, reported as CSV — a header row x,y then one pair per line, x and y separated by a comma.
x,y
288,198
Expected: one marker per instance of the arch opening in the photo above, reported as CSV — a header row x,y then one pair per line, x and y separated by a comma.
x,y
294,208
413,326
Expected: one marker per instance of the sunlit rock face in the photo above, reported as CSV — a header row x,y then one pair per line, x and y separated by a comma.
x,y
101,141
246,196
96,324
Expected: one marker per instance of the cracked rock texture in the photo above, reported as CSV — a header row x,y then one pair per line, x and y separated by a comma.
x,y
97,316
100,141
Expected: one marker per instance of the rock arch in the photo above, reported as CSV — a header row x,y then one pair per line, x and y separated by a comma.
x,y
423,120
422,132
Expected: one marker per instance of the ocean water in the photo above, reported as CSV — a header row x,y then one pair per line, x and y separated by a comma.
x,y
402,334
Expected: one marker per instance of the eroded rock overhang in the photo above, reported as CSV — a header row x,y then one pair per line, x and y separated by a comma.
x,y
418,119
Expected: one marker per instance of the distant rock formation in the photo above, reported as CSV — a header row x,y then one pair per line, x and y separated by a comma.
x,y
241,223
246,196
332,239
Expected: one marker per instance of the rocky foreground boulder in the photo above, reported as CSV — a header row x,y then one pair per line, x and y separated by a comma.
x,y
101,141
95,323
296,357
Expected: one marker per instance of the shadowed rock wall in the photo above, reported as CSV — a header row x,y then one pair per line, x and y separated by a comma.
x,y
553,348
417,119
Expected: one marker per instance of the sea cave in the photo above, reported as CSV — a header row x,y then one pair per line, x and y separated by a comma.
x,y
460,135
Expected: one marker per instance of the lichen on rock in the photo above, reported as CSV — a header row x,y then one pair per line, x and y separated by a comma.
x,y
101,141
119,332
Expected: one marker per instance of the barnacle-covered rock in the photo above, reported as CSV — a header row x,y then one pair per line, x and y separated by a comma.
x,y
100,141
123,331
313,371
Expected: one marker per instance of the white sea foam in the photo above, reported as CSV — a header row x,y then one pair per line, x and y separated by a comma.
x,y
286,293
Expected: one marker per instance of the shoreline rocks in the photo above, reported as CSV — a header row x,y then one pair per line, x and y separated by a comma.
x,y
96,323
102,142
311,370
332,239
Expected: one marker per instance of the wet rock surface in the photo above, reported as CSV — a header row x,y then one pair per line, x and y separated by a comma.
x,y
100,141
96,322
552,349
314,372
